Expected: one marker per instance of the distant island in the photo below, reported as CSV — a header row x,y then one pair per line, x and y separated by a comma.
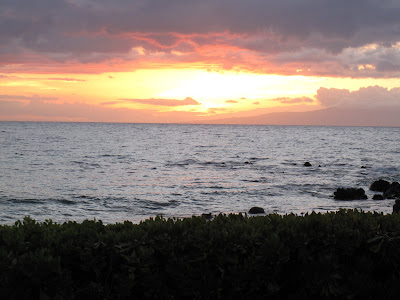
x,y
323,117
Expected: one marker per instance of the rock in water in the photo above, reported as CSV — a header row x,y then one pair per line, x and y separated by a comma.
x,y
307,164
393,191
207,216
396,206
350,194
377,197
380,185
256,210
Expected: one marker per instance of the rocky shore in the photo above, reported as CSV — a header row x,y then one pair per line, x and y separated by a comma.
x,y
387,191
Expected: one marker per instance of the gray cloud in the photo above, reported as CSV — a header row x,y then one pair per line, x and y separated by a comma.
x,y
288,18
284,35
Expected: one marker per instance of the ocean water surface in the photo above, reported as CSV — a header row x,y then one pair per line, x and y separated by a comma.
x,y
117,172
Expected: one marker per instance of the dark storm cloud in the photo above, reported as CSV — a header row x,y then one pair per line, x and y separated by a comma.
x,y
283,34
299,18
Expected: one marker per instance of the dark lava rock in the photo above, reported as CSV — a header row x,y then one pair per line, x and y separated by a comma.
x,y
396,206
380,185
393,191
307,164
378,197
350,194
208,216
256,210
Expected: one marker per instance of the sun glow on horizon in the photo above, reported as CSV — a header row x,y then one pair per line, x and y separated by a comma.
x,y
237,91
162,91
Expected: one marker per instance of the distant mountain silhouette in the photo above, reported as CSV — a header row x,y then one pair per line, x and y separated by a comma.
x,y
330,117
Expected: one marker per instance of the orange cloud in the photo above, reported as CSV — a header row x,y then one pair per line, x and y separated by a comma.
x,y
216,110
111,102
287,100
24,98
164,102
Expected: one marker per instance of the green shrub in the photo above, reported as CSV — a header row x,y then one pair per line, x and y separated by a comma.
x,y
344,254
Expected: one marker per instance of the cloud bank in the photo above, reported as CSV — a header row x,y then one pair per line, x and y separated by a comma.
x,y
39,110
359,38
374,101
365,98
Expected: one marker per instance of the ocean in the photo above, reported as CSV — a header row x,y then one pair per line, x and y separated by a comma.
x,y
115,172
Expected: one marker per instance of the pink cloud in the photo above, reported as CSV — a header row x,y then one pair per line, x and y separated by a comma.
x,y
65,79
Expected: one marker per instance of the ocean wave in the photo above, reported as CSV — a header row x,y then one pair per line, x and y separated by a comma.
x,y
116,171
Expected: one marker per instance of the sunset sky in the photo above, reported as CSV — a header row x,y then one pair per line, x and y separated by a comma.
x,y
188,61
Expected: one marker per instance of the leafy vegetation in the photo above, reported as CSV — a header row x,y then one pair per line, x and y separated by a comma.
x,y
344,254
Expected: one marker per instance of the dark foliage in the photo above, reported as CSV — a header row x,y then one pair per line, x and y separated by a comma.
x,y
344,255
